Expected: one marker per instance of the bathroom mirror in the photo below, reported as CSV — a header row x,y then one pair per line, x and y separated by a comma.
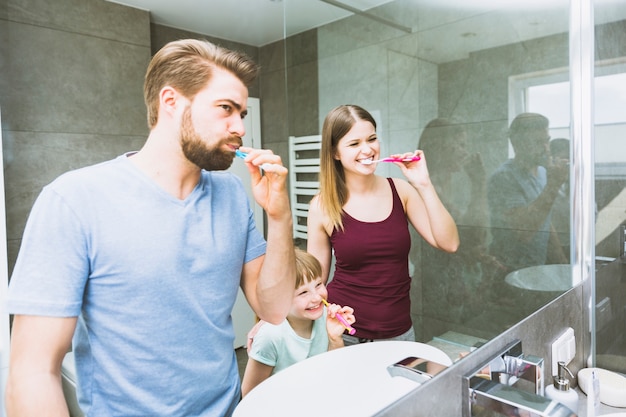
x,y
476,64
467,67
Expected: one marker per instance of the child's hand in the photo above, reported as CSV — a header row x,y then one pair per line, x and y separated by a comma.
x,y
333,326
252,333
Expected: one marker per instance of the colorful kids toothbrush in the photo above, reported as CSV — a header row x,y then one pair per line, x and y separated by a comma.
x,y
350,329
390,159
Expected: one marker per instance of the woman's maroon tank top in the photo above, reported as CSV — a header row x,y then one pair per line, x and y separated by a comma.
x,y
372,272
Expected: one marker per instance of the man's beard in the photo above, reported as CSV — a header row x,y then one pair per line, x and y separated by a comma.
x,y
199,153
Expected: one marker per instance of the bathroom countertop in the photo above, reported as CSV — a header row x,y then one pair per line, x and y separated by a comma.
x,y
456,345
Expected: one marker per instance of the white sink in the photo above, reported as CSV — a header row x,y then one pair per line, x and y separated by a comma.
x,y
350,381
542,278
612,386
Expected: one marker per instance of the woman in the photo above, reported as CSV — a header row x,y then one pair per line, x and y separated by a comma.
x,y
362,217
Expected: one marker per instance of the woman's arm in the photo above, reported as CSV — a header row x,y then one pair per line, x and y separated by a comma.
x,y
428,215
423,207
318,240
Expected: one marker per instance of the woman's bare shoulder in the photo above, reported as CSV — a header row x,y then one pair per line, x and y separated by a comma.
x,y
402,185
316,209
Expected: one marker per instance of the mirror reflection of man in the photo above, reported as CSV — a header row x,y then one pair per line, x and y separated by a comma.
x,y
521,194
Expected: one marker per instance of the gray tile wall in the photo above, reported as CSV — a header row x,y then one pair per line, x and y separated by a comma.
x,y
72,75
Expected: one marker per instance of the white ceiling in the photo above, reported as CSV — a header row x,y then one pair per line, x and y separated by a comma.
x,y
446,29
252,22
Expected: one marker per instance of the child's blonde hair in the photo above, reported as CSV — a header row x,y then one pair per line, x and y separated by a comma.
x,y
308,268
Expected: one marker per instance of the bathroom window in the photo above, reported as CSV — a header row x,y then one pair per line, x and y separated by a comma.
x,y
548,93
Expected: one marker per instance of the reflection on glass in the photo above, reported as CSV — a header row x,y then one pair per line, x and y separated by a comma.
x,y
473,66
462,279
521,195
610,185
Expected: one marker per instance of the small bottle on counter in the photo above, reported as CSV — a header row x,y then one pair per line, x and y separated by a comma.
x,y
560,390
593,395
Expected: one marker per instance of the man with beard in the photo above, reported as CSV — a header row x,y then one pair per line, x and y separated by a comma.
x,y
521,193
135,263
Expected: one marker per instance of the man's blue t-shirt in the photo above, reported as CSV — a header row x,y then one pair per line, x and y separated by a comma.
x,y
153,280
511,187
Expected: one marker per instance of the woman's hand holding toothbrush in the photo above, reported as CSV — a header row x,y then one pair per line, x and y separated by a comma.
x,y
416,172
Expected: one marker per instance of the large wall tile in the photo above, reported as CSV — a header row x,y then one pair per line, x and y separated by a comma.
x,y
412,91
352,33
103,19
274,111
303,98
272,57
356,77
302,48
63,82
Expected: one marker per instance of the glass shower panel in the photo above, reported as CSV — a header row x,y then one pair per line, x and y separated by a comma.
x,y
610,183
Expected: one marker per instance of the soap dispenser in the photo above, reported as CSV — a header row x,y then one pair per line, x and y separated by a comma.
x,y
560,390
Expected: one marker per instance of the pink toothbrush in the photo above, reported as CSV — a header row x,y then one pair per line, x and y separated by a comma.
x,y
343,321
390,159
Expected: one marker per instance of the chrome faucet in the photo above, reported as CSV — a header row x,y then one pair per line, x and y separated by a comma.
x,y
499,386
510,401
526,367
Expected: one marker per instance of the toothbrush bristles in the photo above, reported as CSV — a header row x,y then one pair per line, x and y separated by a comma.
x,y
410,159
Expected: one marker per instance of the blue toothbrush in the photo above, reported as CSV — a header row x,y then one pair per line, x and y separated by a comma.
x,y
243,155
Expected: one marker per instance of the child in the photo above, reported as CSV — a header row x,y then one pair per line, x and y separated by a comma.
x,y
308,330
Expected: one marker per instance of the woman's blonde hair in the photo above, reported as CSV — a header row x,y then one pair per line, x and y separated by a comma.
x,y
187,66
308,268
333,191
